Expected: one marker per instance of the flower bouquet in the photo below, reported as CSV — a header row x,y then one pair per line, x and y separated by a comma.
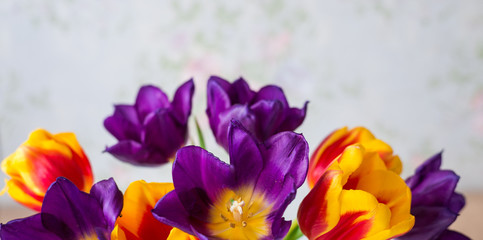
x,y
356,188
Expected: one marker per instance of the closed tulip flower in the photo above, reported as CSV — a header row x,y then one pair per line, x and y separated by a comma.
x,y
153,129
334,144
39,161
357,197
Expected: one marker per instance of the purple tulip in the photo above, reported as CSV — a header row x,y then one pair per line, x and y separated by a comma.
x,y
263,113
435,204
153,129
68,213
214,200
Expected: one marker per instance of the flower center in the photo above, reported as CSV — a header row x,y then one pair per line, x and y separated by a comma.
x,y
236,209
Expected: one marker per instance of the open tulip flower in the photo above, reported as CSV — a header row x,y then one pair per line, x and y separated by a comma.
x,y
153,129
334,144
243,200
435,203
263,113
137,222
39,161
357,197
68,213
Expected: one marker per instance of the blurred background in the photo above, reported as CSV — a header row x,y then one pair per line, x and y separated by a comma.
x,y
410,71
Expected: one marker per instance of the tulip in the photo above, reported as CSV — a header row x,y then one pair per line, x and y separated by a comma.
x,y
435,204
357,197
264,113
40,161
245,199
153,129
137,222
334,144
68,213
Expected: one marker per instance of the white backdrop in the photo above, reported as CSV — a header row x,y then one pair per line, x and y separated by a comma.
x,y
410,71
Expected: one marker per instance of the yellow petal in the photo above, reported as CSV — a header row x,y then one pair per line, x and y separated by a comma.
x,y
177,234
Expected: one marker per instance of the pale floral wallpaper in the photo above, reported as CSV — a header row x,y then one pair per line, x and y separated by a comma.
x,y
411,71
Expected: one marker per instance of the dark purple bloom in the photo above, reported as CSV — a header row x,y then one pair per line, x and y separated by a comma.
x,y
245,199
435,204
68,213
263,113
153,129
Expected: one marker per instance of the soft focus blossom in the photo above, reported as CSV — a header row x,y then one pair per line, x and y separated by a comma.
x,y
153,129
37,163
68,213
243,200
263,113
137,222
435,204
357,197
334,144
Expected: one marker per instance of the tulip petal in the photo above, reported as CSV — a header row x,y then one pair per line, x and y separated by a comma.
x,y
181,104
170,211
218,101
452,235
244,153
124,123
436,189
240,92
197,170
23,194
319,212
177,234
29,228
159,126
294,117
108,195
149,99
271,93
70,213
239,113
135,153
137,219
269,115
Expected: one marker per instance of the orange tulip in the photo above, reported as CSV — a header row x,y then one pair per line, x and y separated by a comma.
x,y
357,197
137,222
39,161
334,144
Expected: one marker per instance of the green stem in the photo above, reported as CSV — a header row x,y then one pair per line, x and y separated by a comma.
x,y
294,232
200,135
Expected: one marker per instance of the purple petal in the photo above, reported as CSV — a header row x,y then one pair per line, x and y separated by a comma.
x,y
135,153
181,104
245,156
294,117
239,113
271,93
456,203
29,228
164,133
452,235
240,92
287,154
199,177
108,195
124,123
269,116
170,211
430,222
430,165
436,188
217,102
71,213
149,99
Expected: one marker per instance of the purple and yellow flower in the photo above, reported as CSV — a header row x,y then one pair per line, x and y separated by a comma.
x,y
243,200
153,129
39,161
68,213
137,222
435,204
357,197
334,144
263,113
